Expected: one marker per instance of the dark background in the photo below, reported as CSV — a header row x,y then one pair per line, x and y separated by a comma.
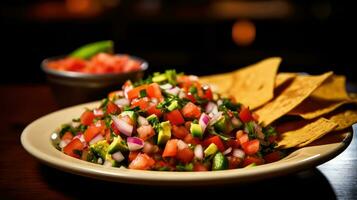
x,y
191,36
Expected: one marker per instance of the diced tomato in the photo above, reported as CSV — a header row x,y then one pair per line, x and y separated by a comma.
x,y
191,97
107,135
209,94
189,139
191,111
142,162
67,136
112,108
199,167
242,137
233,143
185,155
245,115
145,132
143,103
252,159
251,147
233,162
154,91
170,148
216,140
115,129
71,148
188,125
135,92
175,117
179,131
87,117
272,157
153,110
93,130
132,155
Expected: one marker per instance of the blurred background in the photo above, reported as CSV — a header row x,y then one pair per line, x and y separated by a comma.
x,y
195,36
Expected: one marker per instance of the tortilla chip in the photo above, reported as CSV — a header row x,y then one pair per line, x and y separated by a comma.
x,y
344,119
312,108
334,88
307,134
325,99
254,85
290,97
221,83
283,77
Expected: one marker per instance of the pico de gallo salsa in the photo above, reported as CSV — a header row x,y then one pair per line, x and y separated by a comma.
x,y
95,58
169,122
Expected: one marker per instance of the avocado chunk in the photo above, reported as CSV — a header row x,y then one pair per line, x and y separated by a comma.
x,y
131,114
220,162
100,148
196,130
118,144
164,133
159,78
211,149
220,125
173,105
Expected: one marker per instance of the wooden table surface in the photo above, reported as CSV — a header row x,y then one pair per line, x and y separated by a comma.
x,y
23,177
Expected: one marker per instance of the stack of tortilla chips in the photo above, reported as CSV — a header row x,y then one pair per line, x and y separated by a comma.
x,y
319,102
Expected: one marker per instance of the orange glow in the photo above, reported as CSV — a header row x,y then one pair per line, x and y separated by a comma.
x,y
78,6
243,32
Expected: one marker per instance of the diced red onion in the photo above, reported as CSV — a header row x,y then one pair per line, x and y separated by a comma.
x,y
173,91
96,139
122,126
118,156
203,121
219,102
134,143
227,151
142,121
239,153
166,86
98,112
258,130
181,145
63,143
198,151
211,108
182,94
122,102
215,118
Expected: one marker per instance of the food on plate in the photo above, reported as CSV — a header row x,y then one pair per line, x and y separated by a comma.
x,y
175,122
170,122
95,58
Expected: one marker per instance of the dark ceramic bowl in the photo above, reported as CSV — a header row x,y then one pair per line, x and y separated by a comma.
x,y
71,88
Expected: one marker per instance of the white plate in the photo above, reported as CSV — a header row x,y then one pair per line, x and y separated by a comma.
x,y
36,140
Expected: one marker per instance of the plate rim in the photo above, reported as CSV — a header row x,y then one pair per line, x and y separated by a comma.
x,y
304,159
